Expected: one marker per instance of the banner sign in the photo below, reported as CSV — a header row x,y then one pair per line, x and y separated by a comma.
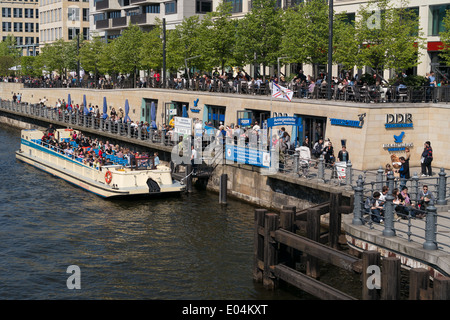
x,y
183,125
283,121
249,156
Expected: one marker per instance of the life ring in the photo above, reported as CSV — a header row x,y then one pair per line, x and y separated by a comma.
x,y
108,177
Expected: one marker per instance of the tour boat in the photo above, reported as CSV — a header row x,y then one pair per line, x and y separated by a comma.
x,y
120,178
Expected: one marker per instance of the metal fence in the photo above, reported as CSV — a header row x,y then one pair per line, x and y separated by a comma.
x,y
356,93
409,222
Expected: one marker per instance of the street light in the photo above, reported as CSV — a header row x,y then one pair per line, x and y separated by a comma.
x,y
278,64
185,63
330,46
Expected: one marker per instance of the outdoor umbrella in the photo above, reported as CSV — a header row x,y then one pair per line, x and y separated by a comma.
x,y
105,108
153,115
185,115
127,109
86,110
69,100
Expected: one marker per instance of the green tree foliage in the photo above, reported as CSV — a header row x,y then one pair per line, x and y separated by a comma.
x,y
259,34
219,37
90,54
389,36
306,37
445,38
152,48
185,42
60,56
126,50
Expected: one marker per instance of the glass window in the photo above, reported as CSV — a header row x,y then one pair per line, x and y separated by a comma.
x,y
203,6
437,17
236,5
6,26
85,14
152,8
171,7
73,14
18,26
73,32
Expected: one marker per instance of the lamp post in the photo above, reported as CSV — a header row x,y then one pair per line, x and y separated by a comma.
x,y
330,46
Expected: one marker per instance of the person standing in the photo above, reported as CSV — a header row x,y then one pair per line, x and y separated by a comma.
x,y
194,159
427,158
343,155
404,171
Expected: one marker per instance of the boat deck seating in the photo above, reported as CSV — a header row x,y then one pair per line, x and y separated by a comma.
x,y
116,160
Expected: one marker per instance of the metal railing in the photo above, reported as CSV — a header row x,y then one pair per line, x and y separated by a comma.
x,y
356,93
411,222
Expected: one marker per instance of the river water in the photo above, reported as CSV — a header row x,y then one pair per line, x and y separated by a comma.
x,y
185,247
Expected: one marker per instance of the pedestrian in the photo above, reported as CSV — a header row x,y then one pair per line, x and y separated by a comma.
x,y
404,171
194,159
343,155
425,196
317,150
427,158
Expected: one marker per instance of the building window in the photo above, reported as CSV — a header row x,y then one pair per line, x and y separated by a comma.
x,y
170,7
85,14
73,32
73,14
29,40
29,13
29,27
203,6
6,12
19,41
17,12
152,8
437,17
18,27
6,26
236,5
85,33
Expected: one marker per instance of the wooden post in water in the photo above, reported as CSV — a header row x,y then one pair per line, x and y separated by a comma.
x,y
223,189
270,251
258,244
313,233
390,279
335,219
287,217
370,260
418,283
441,288
188,178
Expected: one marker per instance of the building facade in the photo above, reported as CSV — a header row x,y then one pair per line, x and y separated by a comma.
x,y
63,19
20,18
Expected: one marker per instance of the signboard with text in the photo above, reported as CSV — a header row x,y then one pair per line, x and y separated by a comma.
x,y
183,125
246,155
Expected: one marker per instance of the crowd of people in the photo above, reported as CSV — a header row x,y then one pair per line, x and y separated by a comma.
x,y
95,152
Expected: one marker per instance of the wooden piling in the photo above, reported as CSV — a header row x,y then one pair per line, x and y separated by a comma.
x,y
335,219
223,189
369,258
258,244
271,223
390,278
441,288
188,178
313,233
418,282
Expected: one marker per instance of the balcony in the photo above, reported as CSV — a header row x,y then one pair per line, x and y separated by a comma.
x,y
137,1
119,22
102,24
106,5
138,19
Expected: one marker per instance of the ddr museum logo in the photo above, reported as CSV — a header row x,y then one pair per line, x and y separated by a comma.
x,y
399,120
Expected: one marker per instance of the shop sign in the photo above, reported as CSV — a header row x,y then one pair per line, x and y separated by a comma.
x,y
283,121
345,123
398,120
247,155
398,144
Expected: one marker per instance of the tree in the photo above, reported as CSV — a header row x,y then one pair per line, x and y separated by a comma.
x,y
126,50
259,33
90,54
60,56
389,36
185,42
445,38
306,37
219,37
152,48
